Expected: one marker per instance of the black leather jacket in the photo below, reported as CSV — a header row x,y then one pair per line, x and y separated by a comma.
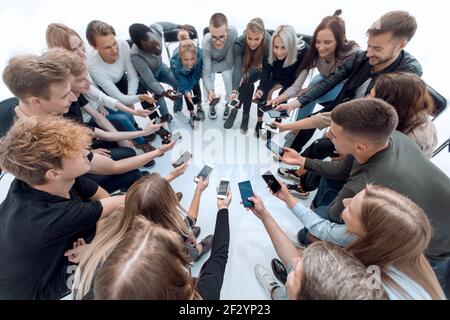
x,y
357,70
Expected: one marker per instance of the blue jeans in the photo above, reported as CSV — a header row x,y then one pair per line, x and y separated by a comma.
x,y
165,75
326,192
306,110
124,121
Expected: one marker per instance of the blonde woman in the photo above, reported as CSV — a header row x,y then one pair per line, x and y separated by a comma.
x,y
282,66
151,264
186,64
249,51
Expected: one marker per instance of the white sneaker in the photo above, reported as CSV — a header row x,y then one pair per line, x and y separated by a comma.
x,y
179,115
265,279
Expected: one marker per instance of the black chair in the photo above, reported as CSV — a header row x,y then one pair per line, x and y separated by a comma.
x,y
440,103
171,37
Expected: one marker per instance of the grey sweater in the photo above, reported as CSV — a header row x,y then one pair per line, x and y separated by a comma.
x,y
148,64
401,167
217,60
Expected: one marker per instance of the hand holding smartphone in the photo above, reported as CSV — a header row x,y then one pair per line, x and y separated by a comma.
x,y
271,181
234,103
176,136
246,190
224,187
182,159
269,127
204,173
272,146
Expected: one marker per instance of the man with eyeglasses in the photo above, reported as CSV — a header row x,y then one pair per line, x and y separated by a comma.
x,y
218,58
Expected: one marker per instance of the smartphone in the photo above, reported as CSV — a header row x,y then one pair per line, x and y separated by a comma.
x,y
272,146
271,181
182,159
204,173
224,186
176,136
163,118
234,103
264,108
246,190
278,114
269,127
196,99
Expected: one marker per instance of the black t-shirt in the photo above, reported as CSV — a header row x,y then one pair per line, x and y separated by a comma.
x,y
74,112
36,228
7,114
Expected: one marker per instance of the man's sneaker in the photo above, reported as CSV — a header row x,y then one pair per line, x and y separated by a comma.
x,y
206,246
265,279
200,113
258,128
297,191
196,231
230,121
179,115
226,113
288,174
279,270
146,147
212,113
193,121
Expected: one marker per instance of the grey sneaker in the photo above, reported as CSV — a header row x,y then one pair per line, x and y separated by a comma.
x,y
297,191
265,279
212,113
193,122
226,113
179,115
206,246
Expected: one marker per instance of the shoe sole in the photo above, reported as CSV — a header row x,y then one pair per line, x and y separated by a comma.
x,y
300,196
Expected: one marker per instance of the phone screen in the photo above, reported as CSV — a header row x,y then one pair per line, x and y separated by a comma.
x,y
272,146
234,103
182,159
278,114
271,181
205,172
223,188
176,136
246,191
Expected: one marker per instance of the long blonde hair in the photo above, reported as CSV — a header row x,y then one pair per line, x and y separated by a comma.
x,y
397,234
286,33
149,263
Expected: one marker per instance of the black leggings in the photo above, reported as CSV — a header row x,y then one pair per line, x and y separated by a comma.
x,y
246,91
198,93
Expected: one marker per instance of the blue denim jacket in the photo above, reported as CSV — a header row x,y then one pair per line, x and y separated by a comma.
x,y
187,79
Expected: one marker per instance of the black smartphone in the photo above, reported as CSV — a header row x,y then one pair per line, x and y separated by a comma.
x,y
204,173
264,108
182,159
163,118
224,186
246,190
272,146
271,181
278,114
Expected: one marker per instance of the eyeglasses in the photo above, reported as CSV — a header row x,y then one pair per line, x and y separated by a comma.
x,y
220,38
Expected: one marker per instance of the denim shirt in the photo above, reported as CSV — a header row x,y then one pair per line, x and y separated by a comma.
x,y
321,228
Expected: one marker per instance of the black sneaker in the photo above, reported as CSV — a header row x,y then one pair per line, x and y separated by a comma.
x,y
192,121
244,123
297,191
288,174
258,128
212,113
226,113
279,270
200,113
230,121
179,196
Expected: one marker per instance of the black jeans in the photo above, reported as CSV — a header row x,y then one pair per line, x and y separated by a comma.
x,y
198,93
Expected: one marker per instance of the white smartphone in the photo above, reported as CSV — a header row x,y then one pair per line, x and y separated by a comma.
x,y
234,103
204,173
224,186
269,127
182,159
176,136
